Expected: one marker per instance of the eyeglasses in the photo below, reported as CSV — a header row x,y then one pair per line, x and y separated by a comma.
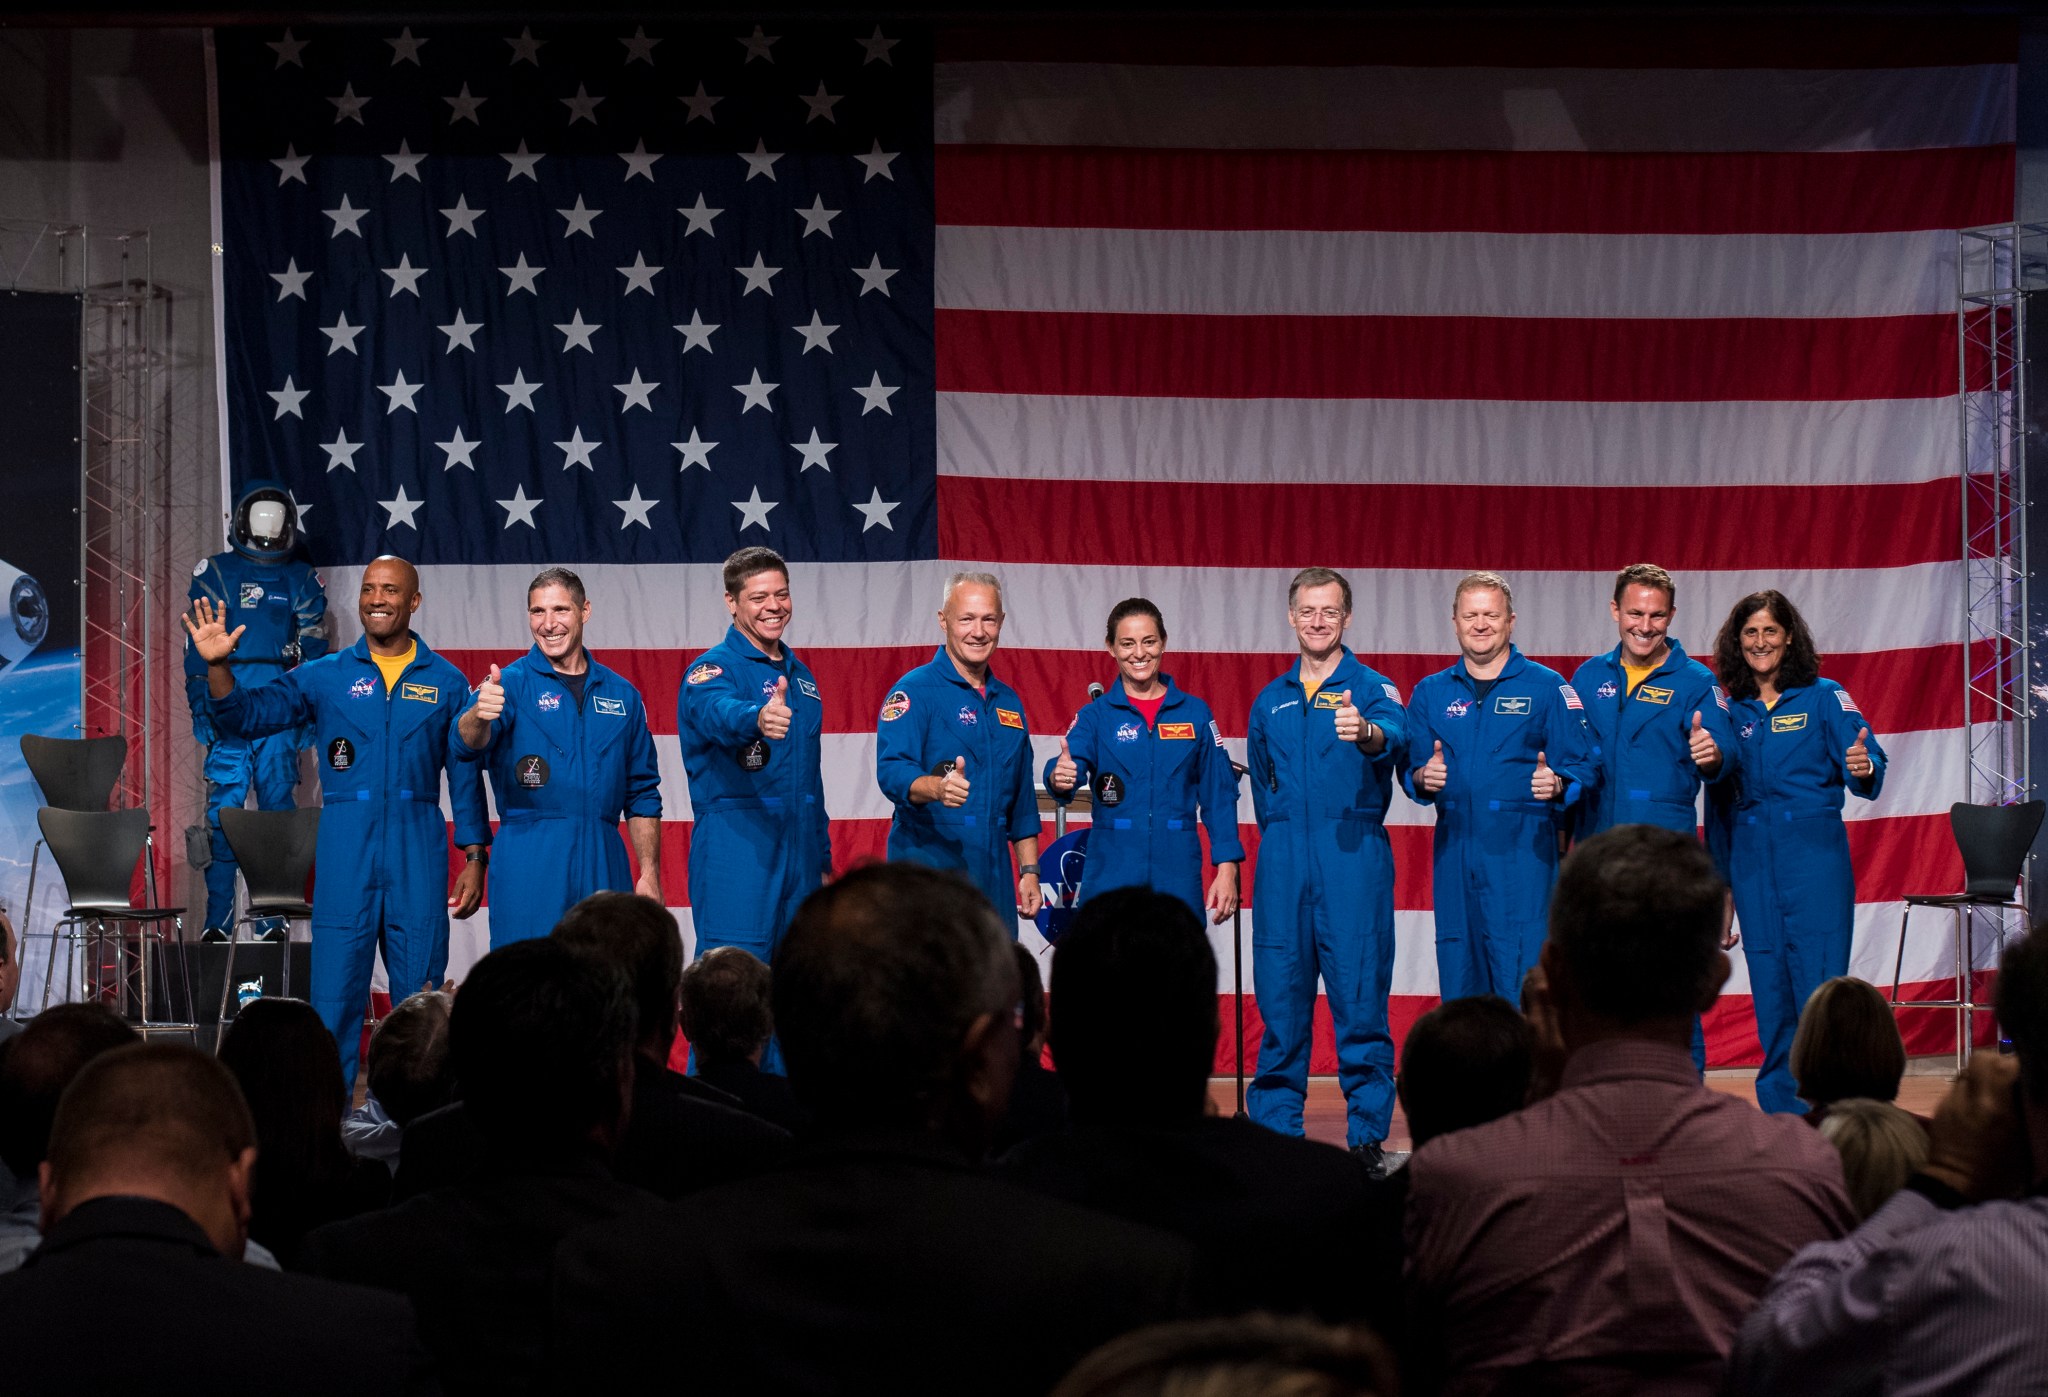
x,y
1331,614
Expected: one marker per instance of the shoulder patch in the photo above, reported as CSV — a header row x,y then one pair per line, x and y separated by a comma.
x,y
895,706
704,673
199,568
1391,692
1217,733
1848,704
1721,697
1571,697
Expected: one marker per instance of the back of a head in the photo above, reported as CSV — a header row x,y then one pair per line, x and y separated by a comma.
x,y
1252,1355
1636,921
1881,1146
542,1036
640,938
1030,1000
1847,1044
1134,1022
411,1072
149,1111
1465,1062
2022,998
41,1061
282,1057
726,1013
877,983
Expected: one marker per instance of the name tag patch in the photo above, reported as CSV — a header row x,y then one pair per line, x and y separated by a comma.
x,y
1646,694
1788,722
610,707
1513,707
421,693
1176,732
807,688
1326,699
1009,718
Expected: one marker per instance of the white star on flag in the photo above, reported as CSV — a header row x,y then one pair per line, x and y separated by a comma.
x,y
756,394
405,164
401,510
817,335
754,510
757,45
463,107
460,331
876,162
523,161
462,218
876,511
526,49
700,104
696,451
291,165
640,48
580,219
817,218
639,162
758,276
519,509
699,217
638,393
401,394
821,104
302,510
576,451
636,510
518,393
459,450
523,276
288,399
876,395
576,334
877,48
814,452
342,335
405,276
405,48
583,106
348,106
346,217
762,161
875,276
291,281
639,276
696,334
341,451
288,49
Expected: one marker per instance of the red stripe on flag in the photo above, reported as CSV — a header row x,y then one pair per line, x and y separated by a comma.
x,y
1475,191
1511,527
1438,357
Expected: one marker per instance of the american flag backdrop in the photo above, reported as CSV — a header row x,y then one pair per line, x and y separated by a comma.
x,y
1169,310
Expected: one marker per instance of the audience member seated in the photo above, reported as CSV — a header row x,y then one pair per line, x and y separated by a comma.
x,y
1278,1223
678,1138
10,977
877,1259
410,1074
1944,1288
1464,1063
146,1202
35,1067
1038,1103
1847,1045
282,1057
1547,1062
728,1021
542,1038
1254,1355
1881,1147
1612,1237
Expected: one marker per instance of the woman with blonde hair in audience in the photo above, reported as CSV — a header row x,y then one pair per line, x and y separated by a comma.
x,y
1847,1045
1881,1146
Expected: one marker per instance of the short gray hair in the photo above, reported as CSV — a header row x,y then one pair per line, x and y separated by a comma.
x,y
972,579
1483,582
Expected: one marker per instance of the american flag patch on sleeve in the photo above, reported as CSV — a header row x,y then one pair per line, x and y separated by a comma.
x,y
1721,697
1848,704
1216,732
1392,692
1571,697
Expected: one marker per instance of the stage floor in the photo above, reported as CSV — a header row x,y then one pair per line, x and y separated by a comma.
x,y
1927,1080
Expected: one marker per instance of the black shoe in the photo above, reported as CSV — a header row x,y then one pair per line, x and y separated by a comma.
x,y
270,931
1373,1157
215,936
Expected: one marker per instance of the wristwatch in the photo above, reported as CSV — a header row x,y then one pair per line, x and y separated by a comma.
x,y
482,856
1024,868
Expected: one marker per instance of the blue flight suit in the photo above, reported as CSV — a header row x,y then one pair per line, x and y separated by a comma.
x,y
1644,744
1145,784
563,775
1495,848
1777,828
381,875
932,716
1323,898
284,607
759,842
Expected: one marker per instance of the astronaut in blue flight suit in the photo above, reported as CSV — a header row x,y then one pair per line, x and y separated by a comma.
x,y
383,713
750,719
1150,754
953,753
1659,722
1776,828
566,744
1498,744
1322,747
282,608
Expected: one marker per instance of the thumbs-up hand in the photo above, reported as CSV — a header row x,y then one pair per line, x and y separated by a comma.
x,y
1700,745
773,719
953,786
1431,775
490,697
1064,772
1860,765
1349,726
1545,784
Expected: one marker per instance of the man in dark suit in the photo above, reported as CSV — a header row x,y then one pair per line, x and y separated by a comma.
x,y
729,1022
145,1197
542,1040
1278,1222
878,1258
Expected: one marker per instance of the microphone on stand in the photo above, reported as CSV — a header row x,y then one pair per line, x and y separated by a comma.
x,y
1094,692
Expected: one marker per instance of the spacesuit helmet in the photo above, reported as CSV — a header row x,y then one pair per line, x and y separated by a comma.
x,y
266,524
